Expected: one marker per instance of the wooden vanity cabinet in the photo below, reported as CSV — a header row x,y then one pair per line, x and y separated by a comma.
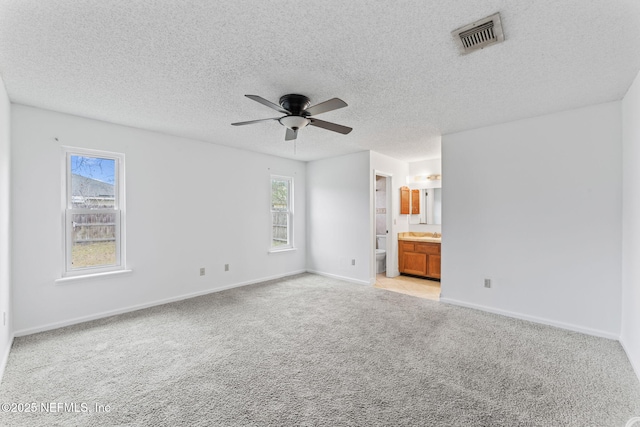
x,y
434,266
419,258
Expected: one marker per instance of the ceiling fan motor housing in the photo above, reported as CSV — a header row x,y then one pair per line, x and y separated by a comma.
x,y
295,104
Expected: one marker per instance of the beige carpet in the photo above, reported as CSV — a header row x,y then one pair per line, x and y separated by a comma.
x,y
317,352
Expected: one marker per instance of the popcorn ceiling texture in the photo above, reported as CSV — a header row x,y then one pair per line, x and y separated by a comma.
x,y
182,68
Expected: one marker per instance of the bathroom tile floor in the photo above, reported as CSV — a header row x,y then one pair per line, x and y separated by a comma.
x,y
414,286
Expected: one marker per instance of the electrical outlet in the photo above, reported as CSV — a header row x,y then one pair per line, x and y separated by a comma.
x,y
202,271
353,262
226,267
487,283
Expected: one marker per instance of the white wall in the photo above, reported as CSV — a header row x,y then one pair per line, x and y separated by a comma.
x,y
189,204
630,330
399,171
536,206
339,221
426,167
6,330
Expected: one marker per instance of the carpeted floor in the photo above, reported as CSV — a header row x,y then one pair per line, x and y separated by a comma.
x,y
313,351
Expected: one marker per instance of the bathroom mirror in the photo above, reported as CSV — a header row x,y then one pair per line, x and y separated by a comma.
x,y
431,206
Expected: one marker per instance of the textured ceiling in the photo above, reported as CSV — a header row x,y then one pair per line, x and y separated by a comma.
x,y
182,67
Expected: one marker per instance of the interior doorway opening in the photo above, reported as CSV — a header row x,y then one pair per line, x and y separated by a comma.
x,y
382,223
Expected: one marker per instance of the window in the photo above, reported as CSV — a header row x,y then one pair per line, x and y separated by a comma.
x,y
93,212
281,212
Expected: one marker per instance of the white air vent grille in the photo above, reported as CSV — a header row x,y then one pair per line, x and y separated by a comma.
x,y
479,34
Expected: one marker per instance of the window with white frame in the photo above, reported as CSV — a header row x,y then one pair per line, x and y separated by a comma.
x,y
93,211
281,212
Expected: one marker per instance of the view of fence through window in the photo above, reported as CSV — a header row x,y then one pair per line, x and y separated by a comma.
x,y
280,212
93,218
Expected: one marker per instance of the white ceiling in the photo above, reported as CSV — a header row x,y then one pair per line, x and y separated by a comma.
x,y
183,67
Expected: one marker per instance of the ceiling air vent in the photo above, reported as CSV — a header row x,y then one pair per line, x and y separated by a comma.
x,y
479,34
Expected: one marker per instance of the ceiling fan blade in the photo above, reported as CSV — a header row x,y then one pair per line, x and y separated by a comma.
x,y
323,107
330,126
269,104
291,135
254,121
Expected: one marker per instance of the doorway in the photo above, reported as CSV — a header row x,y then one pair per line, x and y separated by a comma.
x,y
383,246
385,271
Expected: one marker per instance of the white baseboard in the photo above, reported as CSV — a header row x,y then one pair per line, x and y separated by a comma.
x,y
634,364
82,319
5,357
534,319
335,276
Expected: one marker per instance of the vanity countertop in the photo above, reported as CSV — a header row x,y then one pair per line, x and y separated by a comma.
x,y
413,236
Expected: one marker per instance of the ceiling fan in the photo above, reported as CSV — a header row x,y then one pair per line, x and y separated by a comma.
x,y
297,114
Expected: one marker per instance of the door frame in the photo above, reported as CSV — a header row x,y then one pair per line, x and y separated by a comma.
x,y
390,249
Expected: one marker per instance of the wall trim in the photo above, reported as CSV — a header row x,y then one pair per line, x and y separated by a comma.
x,y
335,276
5,357
534,319
634,364
101,315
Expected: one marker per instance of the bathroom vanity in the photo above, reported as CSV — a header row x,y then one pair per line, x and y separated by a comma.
x,y
419,254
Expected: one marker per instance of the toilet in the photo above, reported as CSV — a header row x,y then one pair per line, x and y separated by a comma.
x,y
381,253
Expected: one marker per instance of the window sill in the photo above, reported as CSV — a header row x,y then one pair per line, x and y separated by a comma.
x,y
276,251
92,276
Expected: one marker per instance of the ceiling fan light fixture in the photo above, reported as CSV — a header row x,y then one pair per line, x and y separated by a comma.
x,y
294,122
